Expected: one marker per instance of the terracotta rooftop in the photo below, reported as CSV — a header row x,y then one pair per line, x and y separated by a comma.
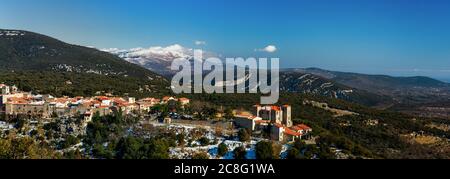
x,y
291,132
303,127
18,100
262,121
276,108
246,116
183,99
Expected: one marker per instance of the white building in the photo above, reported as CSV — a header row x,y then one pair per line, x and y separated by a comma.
x,y
4,89
248,122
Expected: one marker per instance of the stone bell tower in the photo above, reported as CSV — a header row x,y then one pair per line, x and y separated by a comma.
x,y
287,118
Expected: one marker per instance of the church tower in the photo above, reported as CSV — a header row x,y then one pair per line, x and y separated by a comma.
x,y
287,118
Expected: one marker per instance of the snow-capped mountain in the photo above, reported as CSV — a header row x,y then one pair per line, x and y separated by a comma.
x,y
163,53
50,64
157,59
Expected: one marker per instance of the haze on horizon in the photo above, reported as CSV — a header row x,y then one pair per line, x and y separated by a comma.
x,y
393,37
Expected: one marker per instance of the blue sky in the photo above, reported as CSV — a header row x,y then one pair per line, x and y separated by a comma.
x,y
395,37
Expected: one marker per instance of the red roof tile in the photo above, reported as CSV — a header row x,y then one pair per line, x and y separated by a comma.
x,y
303,127
291,132
183,99
262,121
276,108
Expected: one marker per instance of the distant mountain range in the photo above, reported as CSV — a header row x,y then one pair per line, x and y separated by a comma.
x,y
157,59
307,83
401,89
143,70
373,90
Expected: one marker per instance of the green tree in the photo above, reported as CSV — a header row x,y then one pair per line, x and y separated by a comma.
x,y
100,151
294,154
276,149
240,153
200,156
25,148
181,139
157,149
20,124
222,149
264,150
76,154
299,144
70,141
310,151
229,114
54,115
204,141
129,148
244,135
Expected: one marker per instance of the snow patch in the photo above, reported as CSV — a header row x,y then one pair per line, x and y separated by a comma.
x,y
11,33
212,150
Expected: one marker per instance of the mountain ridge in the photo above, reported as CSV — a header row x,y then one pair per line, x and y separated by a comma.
x,y
29,53
373,87
328,73
396,87
29,50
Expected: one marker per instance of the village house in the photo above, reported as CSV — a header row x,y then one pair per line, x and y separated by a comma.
x,y
25,106
276,114
14,103
278,119
247,122
184,101
283,133
4,89
144,105
5,97
166,99
7,93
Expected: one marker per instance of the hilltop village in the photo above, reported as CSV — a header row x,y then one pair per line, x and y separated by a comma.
x,y
71,119
16,103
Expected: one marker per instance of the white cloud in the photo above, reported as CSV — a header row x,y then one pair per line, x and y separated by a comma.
x,y
199,42
268,49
